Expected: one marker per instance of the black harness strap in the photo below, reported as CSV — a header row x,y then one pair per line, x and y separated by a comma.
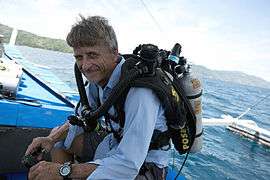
x,y
116,134
160,140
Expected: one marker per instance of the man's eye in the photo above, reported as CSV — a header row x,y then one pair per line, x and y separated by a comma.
x,y
92,55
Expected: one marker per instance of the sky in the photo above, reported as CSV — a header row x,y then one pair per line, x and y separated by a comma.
x,y
218,34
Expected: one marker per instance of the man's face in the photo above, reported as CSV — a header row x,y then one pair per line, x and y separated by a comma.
x,y
96,62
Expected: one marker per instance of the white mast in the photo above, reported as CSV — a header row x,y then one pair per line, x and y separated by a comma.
x,y
13,36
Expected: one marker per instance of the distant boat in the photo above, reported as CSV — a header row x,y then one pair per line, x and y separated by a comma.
x,y
246,128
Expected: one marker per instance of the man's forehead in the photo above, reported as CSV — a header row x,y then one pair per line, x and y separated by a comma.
x,y
86,49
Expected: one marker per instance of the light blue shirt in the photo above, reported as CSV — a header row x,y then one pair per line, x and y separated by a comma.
x,y
143,114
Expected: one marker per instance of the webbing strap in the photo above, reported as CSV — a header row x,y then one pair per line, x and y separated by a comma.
x,y
195,96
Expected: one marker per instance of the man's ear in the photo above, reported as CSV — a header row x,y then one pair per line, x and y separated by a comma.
x,y
115,52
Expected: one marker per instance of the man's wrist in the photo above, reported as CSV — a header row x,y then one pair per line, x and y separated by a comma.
x,y
51,139
54,135
82,171
65,170
59,133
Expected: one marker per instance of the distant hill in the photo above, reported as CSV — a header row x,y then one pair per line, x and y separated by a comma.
x,y
31,40
28,39
230,76
6,31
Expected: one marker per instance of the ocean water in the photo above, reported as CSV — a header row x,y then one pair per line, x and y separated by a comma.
x,y
225,155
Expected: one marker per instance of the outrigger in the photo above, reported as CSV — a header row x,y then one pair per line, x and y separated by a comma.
x,y
243,127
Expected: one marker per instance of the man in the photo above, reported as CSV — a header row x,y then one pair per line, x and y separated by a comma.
x,y
96,52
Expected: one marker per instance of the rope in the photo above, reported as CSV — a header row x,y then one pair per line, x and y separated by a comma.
x,y
151,15
255,104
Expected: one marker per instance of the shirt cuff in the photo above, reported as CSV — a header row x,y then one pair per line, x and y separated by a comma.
x,y
96,162
73,131
59,145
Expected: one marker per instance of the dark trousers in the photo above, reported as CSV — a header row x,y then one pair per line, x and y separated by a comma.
x,y
149,171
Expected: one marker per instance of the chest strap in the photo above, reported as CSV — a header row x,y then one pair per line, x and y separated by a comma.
x,y
159,140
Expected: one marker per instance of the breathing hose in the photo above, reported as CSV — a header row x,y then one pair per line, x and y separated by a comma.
x,y
89,118
80,85
117,90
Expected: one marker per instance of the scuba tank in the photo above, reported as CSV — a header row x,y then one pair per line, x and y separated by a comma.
x,y
193,91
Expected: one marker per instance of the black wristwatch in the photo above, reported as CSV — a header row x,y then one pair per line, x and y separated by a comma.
x,y
65,170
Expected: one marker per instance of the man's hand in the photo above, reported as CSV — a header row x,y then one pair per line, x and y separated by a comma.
x,y
40,142
45,170
47,143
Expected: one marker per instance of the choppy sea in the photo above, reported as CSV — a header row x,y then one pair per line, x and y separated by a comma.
x,y
225,155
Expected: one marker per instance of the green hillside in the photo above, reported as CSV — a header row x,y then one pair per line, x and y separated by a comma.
x,y
6,31
28,39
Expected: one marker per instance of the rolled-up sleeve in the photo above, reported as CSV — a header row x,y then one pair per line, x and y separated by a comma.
x,y
73,131
141,111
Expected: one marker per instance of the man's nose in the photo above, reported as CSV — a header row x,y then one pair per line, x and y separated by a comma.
x,y
85,62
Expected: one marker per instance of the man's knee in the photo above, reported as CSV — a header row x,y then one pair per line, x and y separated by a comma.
x,y
77,145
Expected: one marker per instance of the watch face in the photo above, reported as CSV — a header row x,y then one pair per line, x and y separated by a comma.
x,y
65,170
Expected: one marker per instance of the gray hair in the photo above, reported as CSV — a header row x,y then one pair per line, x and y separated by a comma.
x,y
91,31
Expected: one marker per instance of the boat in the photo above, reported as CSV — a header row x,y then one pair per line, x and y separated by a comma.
x,y
29,108
244,127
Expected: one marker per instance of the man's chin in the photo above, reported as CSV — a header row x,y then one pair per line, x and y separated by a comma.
x,y
92,80
90,77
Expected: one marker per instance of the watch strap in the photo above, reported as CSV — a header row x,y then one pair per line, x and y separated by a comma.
x,y
67,178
